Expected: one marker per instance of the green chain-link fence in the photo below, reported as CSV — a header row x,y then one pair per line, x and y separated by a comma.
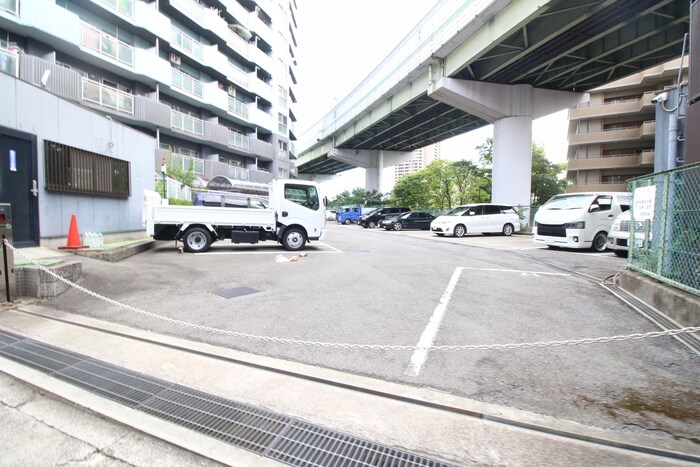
x,y
665,228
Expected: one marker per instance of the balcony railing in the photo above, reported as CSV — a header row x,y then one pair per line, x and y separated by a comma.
x,y
186,123
187,83
11,6
237,107
106,96
238,140
184,163
125,7
107,45
9,62
186,43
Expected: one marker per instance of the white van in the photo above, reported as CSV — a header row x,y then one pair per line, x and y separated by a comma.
x,y
579,220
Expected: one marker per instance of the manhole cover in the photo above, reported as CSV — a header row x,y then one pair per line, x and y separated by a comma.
x,y
236,292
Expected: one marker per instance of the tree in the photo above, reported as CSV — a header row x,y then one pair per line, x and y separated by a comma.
x,y
411,190
440,181
358,197
463,173
545,181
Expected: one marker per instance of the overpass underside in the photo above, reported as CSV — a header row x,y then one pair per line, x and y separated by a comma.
x,y
558,45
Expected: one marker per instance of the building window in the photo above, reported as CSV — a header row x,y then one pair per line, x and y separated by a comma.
x,y
11,6
9,62
73,170
282,123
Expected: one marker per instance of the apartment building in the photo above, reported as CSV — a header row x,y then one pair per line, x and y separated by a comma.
x,y
421,159
611,137
209,83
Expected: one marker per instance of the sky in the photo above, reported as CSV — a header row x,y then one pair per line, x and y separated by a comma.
x,y
341,42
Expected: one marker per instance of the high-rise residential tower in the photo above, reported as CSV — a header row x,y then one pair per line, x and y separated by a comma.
x,y
209,84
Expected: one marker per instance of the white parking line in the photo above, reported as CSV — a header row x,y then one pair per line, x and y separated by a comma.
x,y
328,246
428,337
536,273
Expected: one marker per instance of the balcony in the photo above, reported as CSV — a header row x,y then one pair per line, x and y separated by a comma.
x,y
618,161
186,123
186,83
238,141
125,7
596,187
238,108
187,44
108,97
644,131
9,62
106,45
215,168
623,107
148,18
646,158
10,6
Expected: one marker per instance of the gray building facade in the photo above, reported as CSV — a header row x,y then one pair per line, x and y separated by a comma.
x,y
207,85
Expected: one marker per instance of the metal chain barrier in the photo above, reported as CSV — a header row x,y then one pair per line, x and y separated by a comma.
x,y
339,345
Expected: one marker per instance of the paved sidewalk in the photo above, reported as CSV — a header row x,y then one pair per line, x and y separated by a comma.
x,y
40,429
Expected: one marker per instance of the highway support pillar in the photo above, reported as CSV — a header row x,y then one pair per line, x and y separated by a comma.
x,y
511,109
373,161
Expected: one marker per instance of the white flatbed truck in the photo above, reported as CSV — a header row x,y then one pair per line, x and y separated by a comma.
x,y
296,216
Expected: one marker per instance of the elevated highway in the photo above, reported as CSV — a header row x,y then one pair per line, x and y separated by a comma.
x,y
468,64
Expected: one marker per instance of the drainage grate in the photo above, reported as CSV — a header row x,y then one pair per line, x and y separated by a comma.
x,y
266,433
236,292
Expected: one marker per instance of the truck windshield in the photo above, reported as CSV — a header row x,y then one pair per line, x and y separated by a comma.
x,y
303,195
568,202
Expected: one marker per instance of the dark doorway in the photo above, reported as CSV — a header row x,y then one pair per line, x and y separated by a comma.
x,y
19,184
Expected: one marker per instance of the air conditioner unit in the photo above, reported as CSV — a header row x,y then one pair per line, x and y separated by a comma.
x,y
175,58
231,89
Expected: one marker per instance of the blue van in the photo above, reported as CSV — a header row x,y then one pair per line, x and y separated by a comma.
x,y
350,214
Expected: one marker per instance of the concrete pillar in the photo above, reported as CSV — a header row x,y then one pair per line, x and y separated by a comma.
x,y
372,161
512,160
511,108
373,174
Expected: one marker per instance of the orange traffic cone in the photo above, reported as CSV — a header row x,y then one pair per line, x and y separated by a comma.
x,y
73,242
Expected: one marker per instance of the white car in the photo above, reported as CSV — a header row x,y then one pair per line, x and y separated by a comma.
x,y
619,235
477,218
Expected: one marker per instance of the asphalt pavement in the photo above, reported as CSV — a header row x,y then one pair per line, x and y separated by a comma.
x,y
379,289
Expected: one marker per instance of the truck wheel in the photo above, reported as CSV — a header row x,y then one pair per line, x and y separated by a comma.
x,y
197,240
347,222
600,242
293,239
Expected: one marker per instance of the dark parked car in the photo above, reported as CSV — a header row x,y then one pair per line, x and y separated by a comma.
x,y
409,220
379,215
